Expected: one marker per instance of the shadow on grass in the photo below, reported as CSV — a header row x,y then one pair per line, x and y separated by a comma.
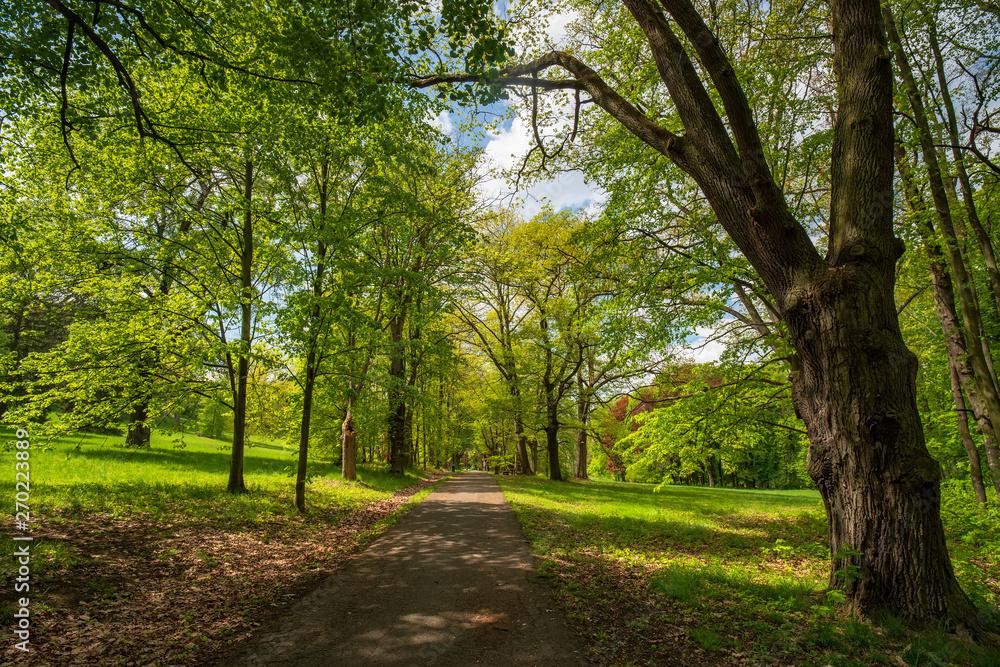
x,y
690,584
206,504
601,511
697,498
378,478
209,462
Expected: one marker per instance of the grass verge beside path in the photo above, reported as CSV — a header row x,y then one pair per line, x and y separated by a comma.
x,y
698,576
140,557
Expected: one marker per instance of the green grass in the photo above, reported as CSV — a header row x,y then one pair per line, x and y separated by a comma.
x,y
185,474
713,574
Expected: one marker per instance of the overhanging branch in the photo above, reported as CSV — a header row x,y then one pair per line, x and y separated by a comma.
x,y
584,78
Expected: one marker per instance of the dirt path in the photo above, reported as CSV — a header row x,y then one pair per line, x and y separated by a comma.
x,y
451,585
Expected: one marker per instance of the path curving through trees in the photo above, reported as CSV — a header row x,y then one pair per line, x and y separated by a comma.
x,y
452,584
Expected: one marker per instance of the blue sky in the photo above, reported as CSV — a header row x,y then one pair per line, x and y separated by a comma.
x,y
505,145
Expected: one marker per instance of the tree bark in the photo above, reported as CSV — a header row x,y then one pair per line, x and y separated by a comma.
x,y
581,454
582,414
348,443
961,414
854,382
551,420
554,390
864,425
524,467
408,432
138,430
236,484
307,401
397,403
552,447
583,397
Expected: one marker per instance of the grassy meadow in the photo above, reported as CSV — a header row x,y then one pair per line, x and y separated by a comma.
x,y
139,555
699,576
184,473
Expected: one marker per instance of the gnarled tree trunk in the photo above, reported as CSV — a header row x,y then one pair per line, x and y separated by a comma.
x,y
856,391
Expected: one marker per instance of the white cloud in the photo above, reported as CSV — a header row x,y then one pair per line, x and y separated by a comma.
x,y
703,349
507,145
443,122
557,30
505,151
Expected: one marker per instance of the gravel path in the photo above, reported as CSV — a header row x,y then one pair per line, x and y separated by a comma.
x,y
451,585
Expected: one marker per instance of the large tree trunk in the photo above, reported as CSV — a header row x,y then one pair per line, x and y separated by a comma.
x,y
236,484
854,382
856,392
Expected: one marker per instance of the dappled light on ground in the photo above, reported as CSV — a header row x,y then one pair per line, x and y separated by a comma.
x,y
451,585
700,576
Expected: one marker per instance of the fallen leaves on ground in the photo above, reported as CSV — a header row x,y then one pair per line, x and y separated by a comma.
x,y
139,591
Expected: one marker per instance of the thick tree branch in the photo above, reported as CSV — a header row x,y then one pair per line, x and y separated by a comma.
x,y
587,79
734,100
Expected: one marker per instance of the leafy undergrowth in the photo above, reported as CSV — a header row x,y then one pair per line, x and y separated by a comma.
x,y
141,558
697,576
